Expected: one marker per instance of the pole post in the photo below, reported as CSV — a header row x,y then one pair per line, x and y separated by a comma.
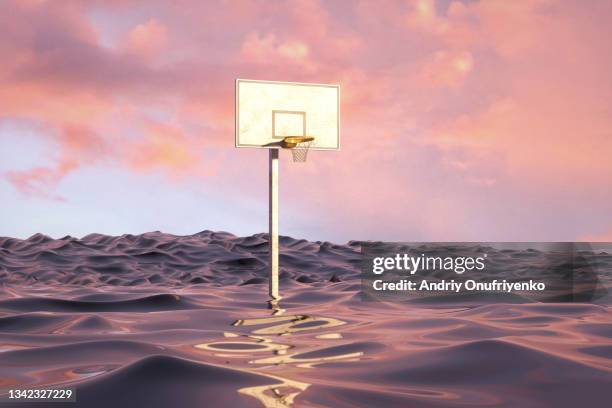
x,y
273,226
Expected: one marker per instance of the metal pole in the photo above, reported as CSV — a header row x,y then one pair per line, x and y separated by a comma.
x,y
273,215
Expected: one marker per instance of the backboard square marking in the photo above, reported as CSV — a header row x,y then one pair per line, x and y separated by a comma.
x,y
288,123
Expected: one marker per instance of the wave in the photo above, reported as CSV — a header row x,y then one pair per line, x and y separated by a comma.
x,y
161,320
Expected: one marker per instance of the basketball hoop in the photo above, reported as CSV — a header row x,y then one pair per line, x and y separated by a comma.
x,y
274,115
299,146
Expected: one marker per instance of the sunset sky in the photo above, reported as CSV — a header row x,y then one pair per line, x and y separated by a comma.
x,y
461,120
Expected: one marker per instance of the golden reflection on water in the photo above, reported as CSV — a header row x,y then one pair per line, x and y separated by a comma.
x,y
242,347
276,395
296,323
274,304
261,340
308,362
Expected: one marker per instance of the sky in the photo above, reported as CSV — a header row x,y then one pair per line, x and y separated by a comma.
x,y
461,120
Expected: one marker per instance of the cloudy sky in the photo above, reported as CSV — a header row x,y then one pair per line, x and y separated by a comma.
x,y
461,120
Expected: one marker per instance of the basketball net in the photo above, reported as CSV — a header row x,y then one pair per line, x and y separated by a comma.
x,y
300,151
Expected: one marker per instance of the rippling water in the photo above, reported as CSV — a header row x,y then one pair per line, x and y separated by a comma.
x,y
160,320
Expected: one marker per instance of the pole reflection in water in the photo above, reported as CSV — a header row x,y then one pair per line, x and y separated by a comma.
x,y
269,354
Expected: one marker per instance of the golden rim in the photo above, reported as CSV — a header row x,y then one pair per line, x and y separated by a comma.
x,y
290,142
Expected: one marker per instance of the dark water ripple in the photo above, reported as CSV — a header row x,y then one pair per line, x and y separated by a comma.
x,y
159,320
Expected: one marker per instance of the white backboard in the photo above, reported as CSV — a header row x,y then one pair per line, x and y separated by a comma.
x,y
267,111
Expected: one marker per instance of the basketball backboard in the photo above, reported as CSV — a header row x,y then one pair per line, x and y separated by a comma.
x,y
268,111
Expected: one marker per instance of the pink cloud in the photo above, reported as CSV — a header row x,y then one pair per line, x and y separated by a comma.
x,y
167,148
448,68
259,49
494,94
78,146
148,39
